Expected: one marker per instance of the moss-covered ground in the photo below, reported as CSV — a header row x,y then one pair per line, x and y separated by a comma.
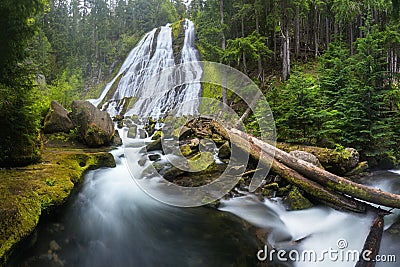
x,y
27,192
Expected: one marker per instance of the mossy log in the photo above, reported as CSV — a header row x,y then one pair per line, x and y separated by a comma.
x,y
322,177
372,243
314,189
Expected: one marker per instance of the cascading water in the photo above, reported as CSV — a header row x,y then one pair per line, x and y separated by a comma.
x,y
140,90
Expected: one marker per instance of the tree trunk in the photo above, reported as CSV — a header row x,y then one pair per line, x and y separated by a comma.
x,y
372,243
326,179
259,65
249,108
286,55
297,31
223,47
244,54
314,189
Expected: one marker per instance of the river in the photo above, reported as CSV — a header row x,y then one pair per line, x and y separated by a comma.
x,y
110,221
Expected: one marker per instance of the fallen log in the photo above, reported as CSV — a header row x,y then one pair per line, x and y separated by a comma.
x,y
314,189
372,243
322,177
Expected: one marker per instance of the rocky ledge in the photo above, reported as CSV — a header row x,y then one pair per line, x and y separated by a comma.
x,y
28,192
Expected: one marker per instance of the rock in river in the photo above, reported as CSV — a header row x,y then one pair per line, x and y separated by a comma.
x,y
96,127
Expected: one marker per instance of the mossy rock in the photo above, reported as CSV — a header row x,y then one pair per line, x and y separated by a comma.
x,y
203,161
132,132
26,193
224,151
155,145
296,201
186,150
156,135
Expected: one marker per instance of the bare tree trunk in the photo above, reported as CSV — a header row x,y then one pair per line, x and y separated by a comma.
x,y
286,55
316,30
297,31
249,108
351,39
244,54
223,47
259,65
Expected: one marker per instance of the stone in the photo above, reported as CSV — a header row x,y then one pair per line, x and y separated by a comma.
x,y
308,157
296,201
142,134
132,132
154,157
203,161
182,132
57,119
186,150
194,143
156,135
224,151
116,140
155,145
142,161
171,173
54,246
95,127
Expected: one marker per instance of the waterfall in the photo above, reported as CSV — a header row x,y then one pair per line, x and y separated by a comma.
x,y
147,83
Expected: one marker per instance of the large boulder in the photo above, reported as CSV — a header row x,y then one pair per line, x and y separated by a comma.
x,y
57,119
96,127
308,157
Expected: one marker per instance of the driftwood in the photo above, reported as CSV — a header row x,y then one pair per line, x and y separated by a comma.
x,y
372,243
326,179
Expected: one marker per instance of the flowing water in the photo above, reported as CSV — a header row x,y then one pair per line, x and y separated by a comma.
x,y
110,221
139,87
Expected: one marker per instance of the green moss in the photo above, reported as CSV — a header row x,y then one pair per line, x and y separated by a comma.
x,y
26,193
176,28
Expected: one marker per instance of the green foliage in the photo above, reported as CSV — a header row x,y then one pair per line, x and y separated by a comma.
x,y
253,46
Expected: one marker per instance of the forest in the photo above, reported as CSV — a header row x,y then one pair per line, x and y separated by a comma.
x,y
328,68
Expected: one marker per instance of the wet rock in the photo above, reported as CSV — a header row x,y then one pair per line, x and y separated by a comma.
x,y
155,145
203,161
218,139
95,127
54,246
171,173
132,132
182,132
142,134
154,157
308,157
57,119
120,125
129,123
194,143
142,162
156,135
117,141
224,151
296,201
135,119
186,150
118,117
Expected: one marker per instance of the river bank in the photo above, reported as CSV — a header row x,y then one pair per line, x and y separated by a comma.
x,y
28,192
